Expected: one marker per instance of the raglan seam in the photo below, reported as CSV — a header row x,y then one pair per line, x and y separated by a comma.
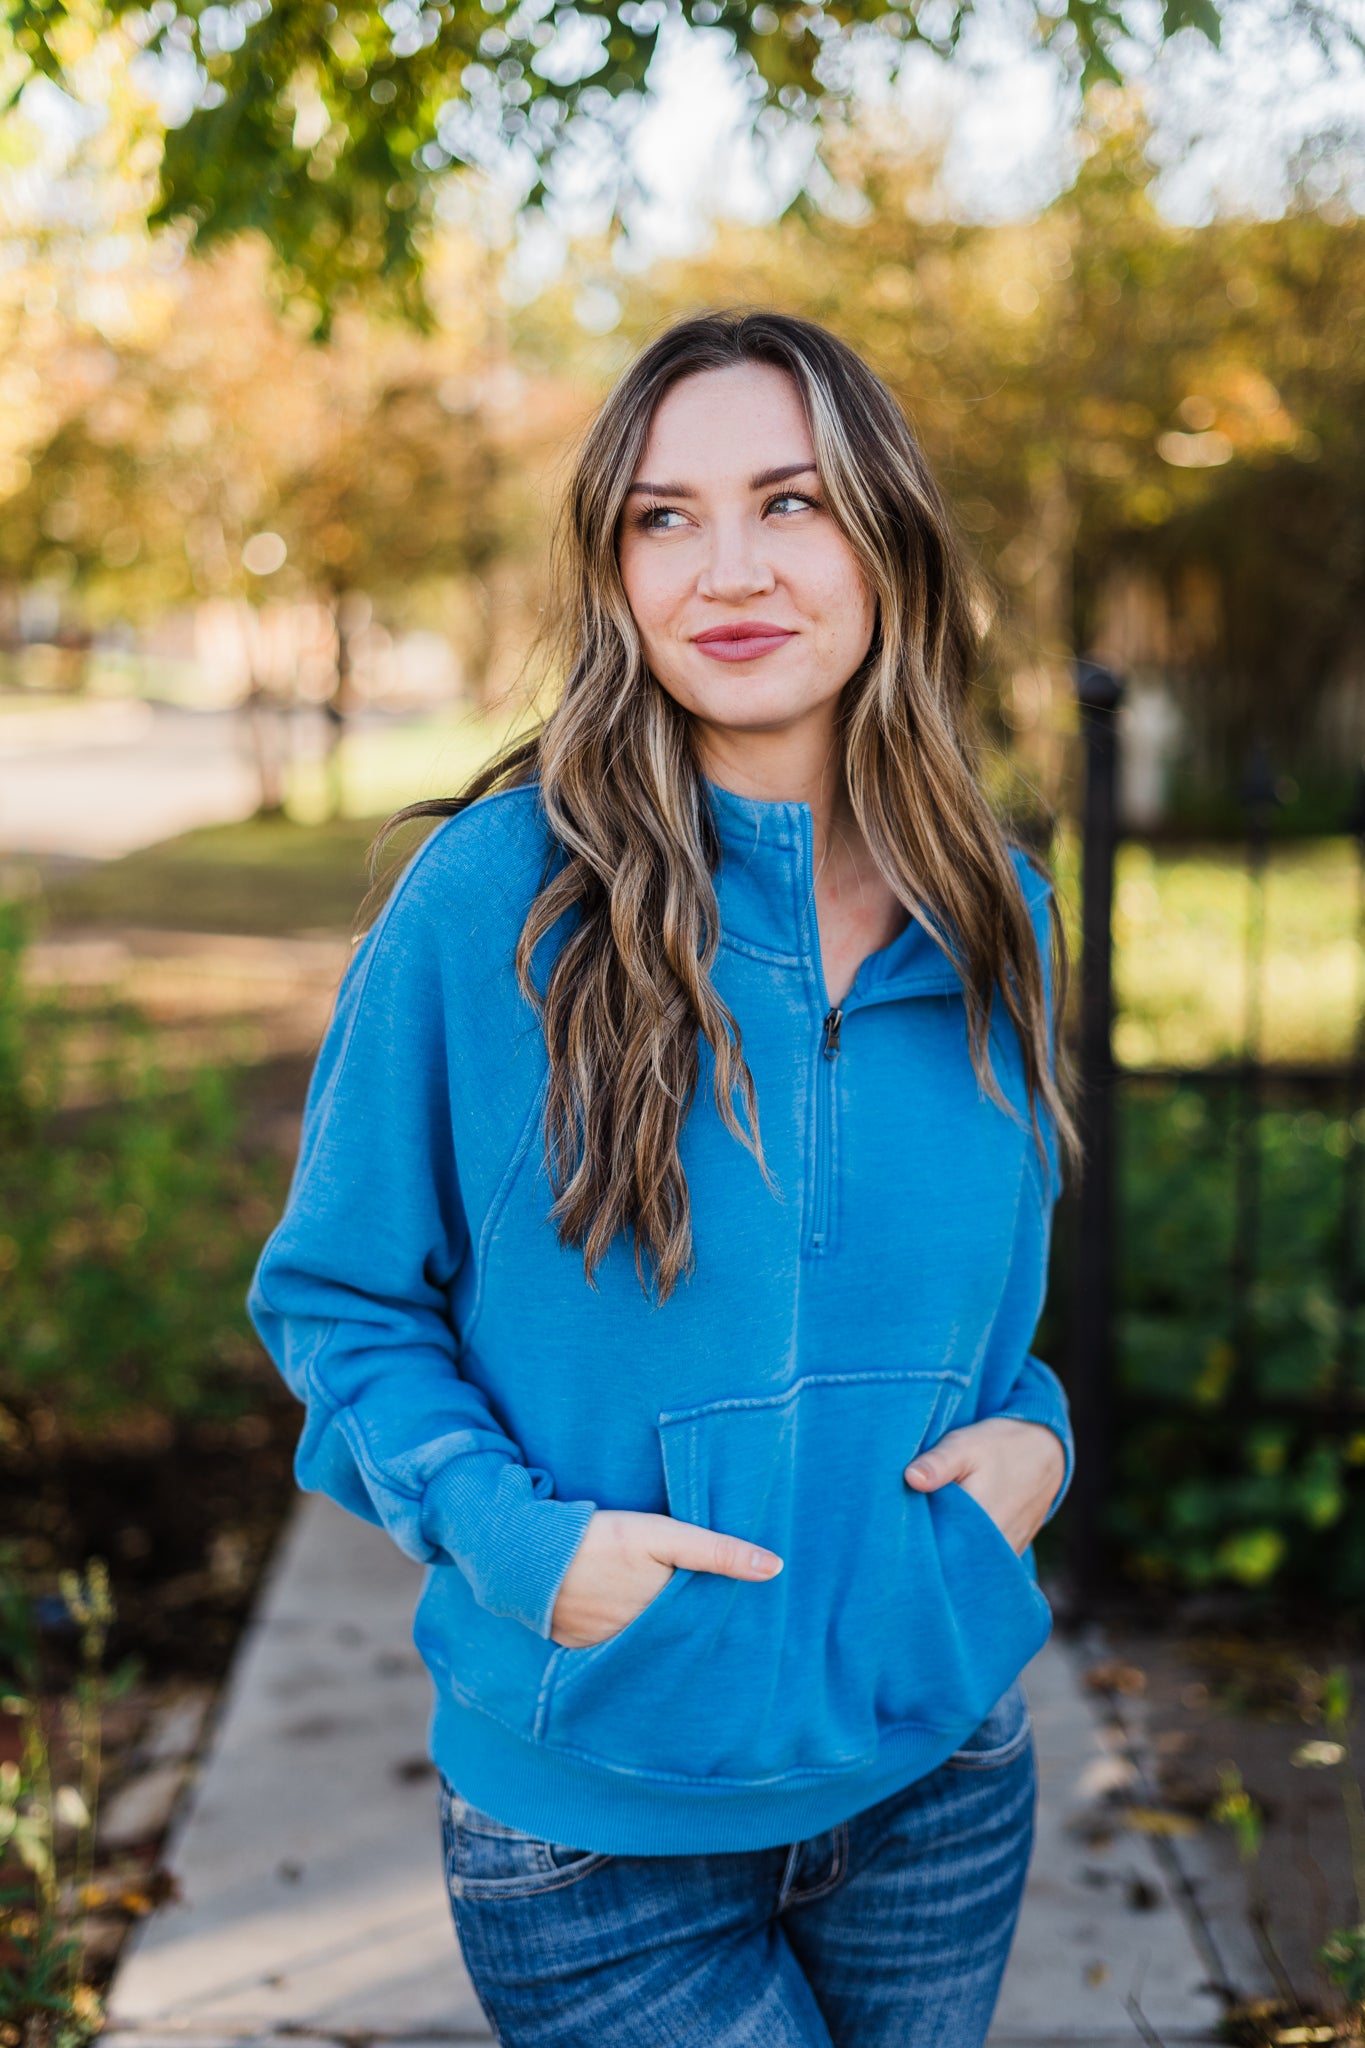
x,y
342,1413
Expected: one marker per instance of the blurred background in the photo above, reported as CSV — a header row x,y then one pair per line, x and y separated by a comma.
x,y
302,309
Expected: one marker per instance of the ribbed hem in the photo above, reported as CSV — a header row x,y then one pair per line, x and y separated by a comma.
x,y
562,1798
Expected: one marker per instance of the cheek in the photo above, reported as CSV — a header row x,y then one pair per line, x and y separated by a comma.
x,y
840,595
651,591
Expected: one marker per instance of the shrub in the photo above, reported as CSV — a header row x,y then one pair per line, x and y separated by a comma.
x,y
127,1231
1212,1489
48,1801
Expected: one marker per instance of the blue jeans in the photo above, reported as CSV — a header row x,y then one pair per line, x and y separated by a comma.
x,y
889,1931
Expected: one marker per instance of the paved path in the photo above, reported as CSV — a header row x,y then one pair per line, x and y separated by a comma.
x,y
97,779
309,1851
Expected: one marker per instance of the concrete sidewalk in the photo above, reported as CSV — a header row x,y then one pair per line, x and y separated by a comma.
x,y
308,1852
96,778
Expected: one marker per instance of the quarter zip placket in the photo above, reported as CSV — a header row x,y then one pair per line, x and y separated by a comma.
x,y
829,1049
826,1106
768,875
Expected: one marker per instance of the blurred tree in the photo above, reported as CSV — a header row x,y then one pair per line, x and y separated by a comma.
x,y
78,275
328,129
1100,389
223,455
1106,396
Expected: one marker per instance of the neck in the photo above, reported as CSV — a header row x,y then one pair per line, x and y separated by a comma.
x,y
791,766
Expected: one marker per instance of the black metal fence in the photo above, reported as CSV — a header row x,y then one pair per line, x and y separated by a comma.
x,y
1109,1402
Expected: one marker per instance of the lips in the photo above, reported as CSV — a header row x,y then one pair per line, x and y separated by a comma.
x,y
743,641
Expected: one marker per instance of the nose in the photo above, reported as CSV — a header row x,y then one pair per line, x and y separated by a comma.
x,y
736,566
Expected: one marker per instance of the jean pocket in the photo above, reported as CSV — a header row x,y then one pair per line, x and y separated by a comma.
x,y
485,1858
1001,1736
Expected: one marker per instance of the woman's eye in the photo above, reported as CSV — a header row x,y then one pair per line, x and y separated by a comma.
x,y
666,518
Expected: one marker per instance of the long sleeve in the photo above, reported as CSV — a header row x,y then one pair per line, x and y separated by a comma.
x,y
351,1296
1014,1381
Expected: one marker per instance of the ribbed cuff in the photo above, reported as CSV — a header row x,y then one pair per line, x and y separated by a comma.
x,y
512,1541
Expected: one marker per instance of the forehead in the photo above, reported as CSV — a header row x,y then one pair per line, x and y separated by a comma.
x,y
740,419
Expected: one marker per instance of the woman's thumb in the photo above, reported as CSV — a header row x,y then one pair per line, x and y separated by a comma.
x,y
931,1469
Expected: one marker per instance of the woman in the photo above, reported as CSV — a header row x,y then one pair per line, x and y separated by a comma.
x,y
668,1237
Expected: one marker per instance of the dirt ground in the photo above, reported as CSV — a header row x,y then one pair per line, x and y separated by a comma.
x,y
1203,1702
186,1513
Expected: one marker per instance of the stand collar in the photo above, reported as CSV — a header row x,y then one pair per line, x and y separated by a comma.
x,y
766,890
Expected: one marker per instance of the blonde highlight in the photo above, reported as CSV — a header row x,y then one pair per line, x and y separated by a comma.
x,y
628,1001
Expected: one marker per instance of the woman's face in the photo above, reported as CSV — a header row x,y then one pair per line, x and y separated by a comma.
x,y
751,606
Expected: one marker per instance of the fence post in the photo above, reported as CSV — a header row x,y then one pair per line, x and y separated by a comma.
x,y
1258,795
1099,692
1353,1166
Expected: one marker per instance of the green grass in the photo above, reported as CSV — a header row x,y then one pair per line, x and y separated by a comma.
x,y
383,767
1179,919
268,876
281,875
1180,922
1180,940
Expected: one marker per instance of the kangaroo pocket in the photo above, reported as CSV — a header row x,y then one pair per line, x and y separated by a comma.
x,y
894,1609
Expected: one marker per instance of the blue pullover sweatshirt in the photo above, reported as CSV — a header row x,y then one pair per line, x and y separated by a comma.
x,y
466,1389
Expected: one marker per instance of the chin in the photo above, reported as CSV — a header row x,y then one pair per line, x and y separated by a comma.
x,y
749,703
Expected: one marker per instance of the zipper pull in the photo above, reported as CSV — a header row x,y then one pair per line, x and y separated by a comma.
x,y
832,1024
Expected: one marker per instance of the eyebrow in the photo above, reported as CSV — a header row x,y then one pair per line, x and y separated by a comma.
x,y
780,475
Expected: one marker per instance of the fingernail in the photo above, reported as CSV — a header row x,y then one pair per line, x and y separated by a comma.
x,y
764,1561
917,1472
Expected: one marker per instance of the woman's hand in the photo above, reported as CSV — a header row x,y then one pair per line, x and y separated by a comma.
x,y
625,1560
1012,1469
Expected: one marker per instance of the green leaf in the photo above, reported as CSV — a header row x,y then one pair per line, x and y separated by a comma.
x,y
1343,1957
1336,1698
331,135
33,1846
1202,15
1252,1555
1236,1810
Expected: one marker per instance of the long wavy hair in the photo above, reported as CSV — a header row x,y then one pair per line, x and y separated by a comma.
x,y
629,996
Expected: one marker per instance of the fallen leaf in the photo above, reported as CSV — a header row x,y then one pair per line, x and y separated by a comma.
x,y
70,1809
163,1886
1318,1756
1104,1774
1156,1820
1113,1675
